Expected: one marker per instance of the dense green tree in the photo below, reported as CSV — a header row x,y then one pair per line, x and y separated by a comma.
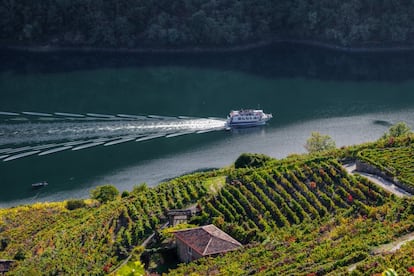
x,y
179,23
397,130
104,193
251,160
319,142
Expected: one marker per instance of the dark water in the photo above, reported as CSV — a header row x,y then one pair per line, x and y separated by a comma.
x,y
352,97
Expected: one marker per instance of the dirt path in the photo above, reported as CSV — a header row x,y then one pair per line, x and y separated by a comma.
x,y
383,183
387,248
393,246
392,188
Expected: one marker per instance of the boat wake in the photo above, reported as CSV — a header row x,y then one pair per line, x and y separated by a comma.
x,y
34,133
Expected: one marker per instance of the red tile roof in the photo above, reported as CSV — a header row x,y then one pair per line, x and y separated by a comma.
x,y
207,240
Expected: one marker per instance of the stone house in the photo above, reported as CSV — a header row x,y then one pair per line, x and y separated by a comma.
x,y
203,241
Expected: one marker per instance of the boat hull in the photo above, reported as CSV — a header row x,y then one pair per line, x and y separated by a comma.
x,y
245,124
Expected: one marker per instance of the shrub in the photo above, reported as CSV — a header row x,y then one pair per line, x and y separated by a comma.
x,y
73,204
20,255
397,130
251,160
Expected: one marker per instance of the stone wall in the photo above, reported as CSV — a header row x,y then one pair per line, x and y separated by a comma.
x,y
371,169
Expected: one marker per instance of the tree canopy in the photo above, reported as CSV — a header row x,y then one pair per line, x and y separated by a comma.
x,y
210,23
396,130
319,142
254,160
104,193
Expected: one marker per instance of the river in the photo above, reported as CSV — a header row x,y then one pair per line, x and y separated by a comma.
x,y
352,97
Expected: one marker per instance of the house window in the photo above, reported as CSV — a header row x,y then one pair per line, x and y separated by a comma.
x,y
190,251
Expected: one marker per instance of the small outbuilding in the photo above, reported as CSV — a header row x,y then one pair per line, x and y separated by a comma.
x,y
177,216
5,266
208,240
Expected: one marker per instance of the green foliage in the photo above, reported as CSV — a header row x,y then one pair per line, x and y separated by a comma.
x,y
92,241
257,200
132,269
395,160
397,130
139,188
73,204
303,215
318,247
20,255
104,193
167,233
318,142
255,160
208,23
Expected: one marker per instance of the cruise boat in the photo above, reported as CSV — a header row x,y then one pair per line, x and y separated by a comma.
x,y
247,118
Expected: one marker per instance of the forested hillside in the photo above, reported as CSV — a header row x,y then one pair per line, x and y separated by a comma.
x,y
212,23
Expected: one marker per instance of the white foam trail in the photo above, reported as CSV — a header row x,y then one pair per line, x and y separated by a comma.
x,y
151,137
3,156
47,146
18,149
74,143
123,140
178,134
50,119
37,114
5,150
19,119
69,114
131,116
102,140
9,113
100,115
160,117
55,150
88,145
21,155
208,130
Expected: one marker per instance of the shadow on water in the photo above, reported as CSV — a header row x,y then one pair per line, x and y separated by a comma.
x,y
281,60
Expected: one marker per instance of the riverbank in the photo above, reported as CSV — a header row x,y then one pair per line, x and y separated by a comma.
x,y
373,47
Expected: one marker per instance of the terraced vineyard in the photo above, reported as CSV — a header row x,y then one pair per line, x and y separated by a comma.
x,y
49,238
329,246
257,201
396,161
303,215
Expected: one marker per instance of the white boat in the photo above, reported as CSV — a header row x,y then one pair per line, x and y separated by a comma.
x,y
247,118
39,184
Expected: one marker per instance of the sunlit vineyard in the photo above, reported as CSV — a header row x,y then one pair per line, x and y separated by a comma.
x,y
330,246
303,215
396,161
262,199
91,240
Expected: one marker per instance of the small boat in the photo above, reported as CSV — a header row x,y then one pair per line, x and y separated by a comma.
x,y
247,118
39,184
